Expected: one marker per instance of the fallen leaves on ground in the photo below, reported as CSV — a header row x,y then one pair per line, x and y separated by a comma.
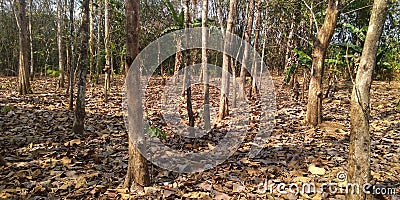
x,y
44,159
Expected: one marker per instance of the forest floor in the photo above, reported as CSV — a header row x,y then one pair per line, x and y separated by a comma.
x,y
44,159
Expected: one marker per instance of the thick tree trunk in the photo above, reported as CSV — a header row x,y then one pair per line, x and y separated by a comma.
x,y
23,73
246,54
314,106
223,102
137,166
79,119
204,63
107,67
360,143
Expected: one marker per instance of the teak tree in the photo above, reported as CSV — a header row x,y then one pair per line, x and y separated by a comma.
x,y
246,55
23,74
79,119
60,46
360,139
223,103
186,83
137,165
107,67
204,35
320,47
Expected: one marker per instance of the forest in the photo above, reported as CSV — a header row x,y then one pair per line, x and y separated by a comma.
x,y
190,99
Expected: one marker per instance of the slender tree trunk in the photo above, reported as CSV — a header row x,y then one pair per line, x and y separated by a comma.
x,y
60,27
98,41
360,142
246,54
204,63
137,166
32,69
289,47
219,12
79,119
72,67
91,43
187,83
223,103
23,74
178,58
314,106
253,89
107,67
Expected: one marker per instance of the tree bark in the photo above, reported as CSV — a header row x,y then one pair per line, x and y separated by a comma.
x,y
91,43
187,83
137,165
60,46
253,89
360,143
314,106
23,74
223,103
204,63
107,67
32,69
72,67
246,54
98,41
178,58
79,120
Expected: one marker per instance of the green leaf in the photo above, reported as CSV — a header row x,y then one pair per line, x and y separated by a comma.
x,y
6,109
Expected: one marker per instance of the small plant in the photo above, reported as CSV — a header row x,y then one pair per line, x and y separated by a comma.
x,y
156,132
6,109
398,105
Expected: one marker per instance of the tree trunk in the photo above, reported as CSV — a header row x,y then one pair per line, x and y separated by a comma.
x,y
79,119
187,83
98,41
253,89
91,43
360,143
204,63
32,69
107,67
314,106
178,59
223,110
137,165
23,74
60,45
246,54
72,67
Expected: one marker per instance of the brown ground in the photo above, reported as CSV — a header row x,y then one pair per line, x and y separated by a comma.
x,y
44,159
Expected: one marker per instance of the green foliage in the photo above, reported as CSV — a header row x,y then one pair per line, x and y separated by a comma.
x,y
6,109
303,58
289,72
155,132
53,73
178,18
398,105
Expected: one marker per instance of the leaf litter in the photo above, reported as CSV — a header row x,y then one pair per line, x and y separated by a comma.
x,y
44,159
